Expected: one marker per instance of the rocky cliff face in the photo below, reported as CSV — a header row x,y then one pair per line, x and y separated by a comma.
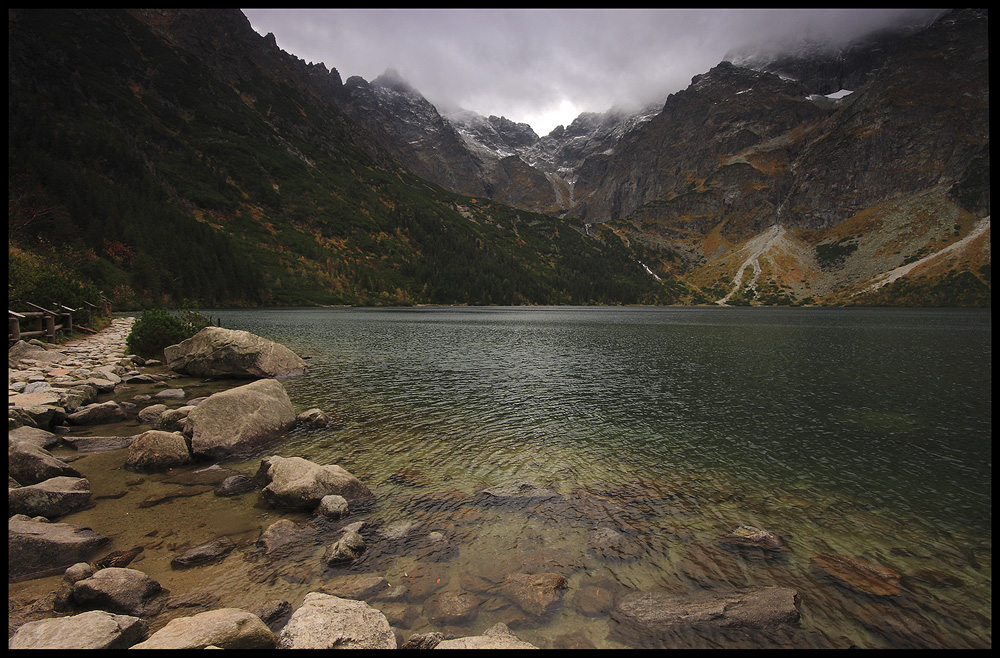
x,y
897,169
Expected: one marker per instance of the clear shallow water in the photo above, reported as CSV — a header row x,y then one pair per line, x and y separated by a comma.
x,y
888,407
861,432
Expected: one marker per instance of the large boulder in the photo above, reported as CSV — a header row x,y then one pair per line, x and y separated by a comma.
x,y
326,622
50,498
297,483
35,548
95,629
226,628
218,352
240,422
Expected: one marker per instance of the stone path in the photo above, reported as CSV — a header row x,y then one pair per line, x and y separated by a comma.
x,y
42,375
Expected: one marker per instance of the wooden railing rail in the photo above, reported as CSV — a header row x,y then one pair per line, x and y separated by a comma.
x,y
41,322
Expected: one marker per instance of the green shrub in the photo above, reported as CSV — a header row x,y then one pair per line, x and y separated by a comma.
x,y
158,328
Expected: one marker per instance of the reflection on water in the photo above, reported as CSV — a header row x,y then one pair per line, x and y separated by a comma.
x,y
862,433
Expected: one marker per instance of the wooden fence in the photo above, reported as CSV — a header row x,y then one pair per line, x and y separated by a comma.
x,y
47,321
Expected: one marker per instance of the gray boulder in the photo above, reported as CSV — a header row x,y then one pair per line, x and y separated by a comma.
x,y
98,414
95,629
42,416
149,415
240,422
226,628
497,637
36,548
156,450
50,498
326,622
22,351
172,420
333,507
297,483
29,464
218,352
312,418
121,590
41,394
37,437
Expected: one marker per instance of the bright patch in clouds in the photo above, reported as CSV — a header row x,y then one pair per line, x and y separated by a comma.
x,y
544,121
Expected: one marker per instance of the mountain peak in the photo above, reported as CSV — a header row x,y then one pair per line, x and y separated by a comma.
x,y
391,79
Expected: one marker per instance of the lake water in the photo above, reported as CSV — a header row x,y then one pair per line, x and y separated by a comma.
x,y
861,432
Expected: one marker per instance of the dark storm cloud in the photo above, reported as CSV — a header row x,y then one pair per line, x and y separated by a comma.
x,y
523,64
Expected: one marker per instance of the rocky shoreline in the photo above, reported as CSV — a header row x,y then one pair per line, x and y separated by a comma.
x,y
107,604
104,601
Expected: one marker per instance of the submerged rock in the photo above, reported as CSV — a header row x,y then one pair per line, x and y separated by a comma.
x,y
858,575
536,594
497,637
453,607
213,550
654,617
117,559
748,538
609,544
346,549
519,493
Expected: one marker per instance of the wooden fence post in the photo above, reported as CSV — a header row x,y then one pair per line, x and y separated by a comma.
x,y
14,321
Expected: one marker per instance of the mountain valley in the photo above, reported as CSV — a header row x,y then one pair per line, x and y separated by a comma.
x,y
169,155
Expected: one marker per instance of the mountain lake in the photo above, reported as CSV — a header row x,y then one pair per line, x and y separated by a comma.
x,y
852,432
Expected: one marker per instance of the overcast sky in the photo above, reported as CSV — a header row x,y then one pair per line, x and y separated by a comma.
x,y
544,67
